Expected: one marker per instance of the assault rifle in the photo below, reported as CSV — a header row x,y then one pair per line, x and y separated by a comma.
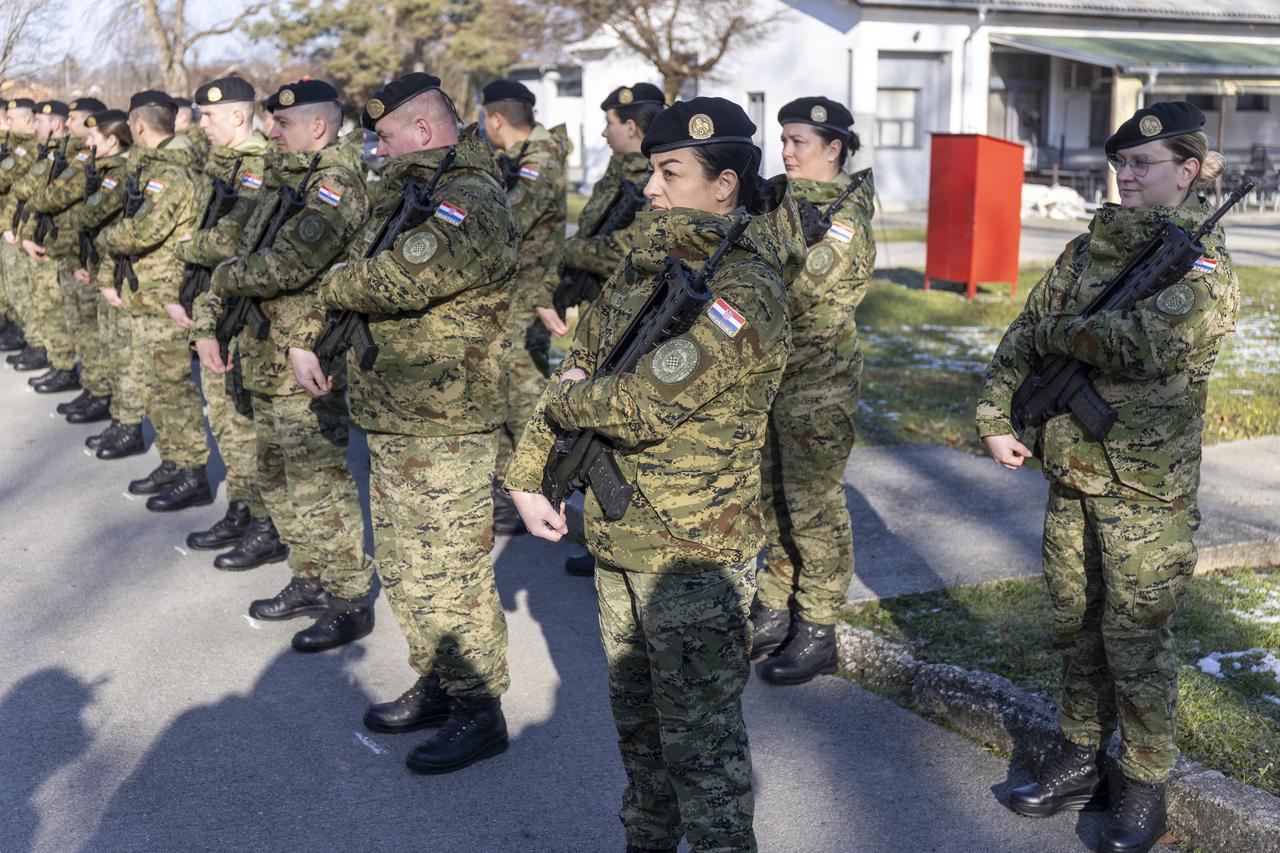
x,y
1059,383
580,458
509,167
816,223
46,229
20,214
196,278
240,312
92,183
4,146
578,286
133,198
350,329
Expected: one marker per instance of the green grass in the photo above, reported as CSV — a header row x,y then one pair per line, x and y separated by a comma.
x,y
577,201
899,235
1229,724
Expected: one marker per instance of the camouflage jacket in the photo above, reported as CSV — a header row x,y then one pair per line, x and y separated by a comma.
x,y
541,208
212,246
26,184
690,421
1153,361
602,254
168,185
437,302
284,277
827,362
62,197
199,143
22,153
101,207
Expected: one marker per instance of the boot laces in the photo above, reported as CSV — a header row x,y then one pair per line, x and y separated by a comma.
x,y
1068,766
1136,804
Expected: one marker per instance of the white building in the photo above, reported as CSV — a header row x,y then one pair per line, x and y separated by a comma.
x,y
1056,75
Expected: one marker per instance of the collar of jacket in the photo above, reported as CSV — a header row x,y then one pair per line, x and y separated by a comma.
x,y
1117,232
472,154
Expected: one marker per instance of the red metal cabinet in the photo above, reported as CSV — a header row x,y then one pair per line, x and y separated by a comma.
x,y
975,210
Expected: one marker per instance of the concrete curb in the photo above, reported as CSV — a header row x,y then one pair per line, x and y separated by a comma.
x,y
1259,552
1207,810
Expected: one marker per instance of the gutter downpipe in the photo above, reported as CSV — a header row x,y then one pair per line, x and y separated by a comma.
x,y
964,69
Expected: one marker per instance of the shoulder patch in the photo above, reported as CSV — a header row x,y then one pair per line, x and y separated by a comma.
x,y
726,318
840,233
154,186
110,183
529,173
1205,265
820,261
674,361
420,247
38,168
7,163
1176,300
82,156
253,182
449,213
329,195
311,228
20,151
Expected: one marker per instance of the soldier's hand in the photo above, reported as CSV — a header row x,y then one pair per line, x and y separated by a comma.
x,y
11,238
113,298
82,275
542,519
306,369
34,250
178,315
211,356
552,321
1007,450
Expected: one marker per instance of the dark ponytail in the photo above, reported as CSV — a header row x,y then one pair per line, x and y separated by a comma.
x,y
849,142
741,158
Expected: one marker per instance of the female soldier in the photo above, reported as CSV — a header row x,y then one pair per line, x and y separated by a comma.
x,y
675,575
1118,551
808,542
109,134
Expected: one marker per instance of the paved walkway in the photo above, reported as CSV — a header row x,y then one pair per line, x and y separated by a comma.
x,y
142,711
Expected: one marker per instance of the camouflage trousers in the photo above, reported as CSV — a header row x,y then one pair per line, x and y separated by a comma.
x,y
432,513
161,364
237,444
308,491
115,335
528,369
49,317
80,316
15,267
678,647
1116,570
808,537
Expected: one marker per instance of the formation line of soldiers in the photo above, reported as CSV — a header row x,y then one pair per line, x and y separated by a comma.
x,y
418,302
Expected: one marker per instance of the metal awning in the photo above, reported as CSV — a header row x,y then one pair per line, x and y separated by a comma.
x,y
1155,58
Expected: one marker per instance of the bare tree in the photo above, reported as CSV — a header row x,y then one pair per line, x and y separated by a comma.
x,y
22,25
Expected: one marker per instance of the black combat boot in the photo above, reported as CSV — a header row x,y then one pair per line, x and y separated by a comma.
x,y
33,381
32,358
631,848
72,405
259,545
12,339
810,652
475,730
580,561
769,629
421,706
227,531
344,622
163,474
1138,820
96,440
97,409
57,382
189,488
1075,780
302,597
127,441
506,520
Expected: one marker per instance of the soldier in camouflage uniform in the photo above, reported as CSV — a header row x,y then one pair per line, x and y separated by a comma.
x,y
808,558
109,135
432,405
237,158
25,338
676,573
302,443
16,136
1118,549
531,160
161,358
186,124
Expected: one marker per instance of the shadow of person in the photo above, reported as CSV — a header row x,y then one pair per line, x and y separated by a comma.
x,y
57,699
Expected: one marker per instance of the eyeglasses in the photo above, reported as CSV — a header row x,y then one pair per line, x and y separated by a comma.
x,y
1139,167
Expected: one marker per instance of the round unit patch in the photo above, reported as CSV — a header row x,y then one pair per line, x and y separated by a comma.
x,y
674,361
311,228
419,248
8,163
820,260
1176,300
515,195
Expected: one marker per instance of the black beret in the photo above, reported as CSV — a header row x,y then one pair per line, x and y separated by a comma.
x,y
106,117
305,91
395,93
1158,121
152,98
507,90
181,102
819,112
86,105
701,121
21,104
53,108
640,93
224,90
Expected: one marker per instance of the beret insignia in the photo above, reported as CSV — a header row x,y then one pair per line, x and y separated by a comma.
x,y
286,97
1150,126
701,127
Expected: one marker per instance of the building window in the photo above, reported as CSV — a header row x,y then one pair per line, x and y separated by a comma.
x,y
569,87
897,124
1100,115
1251,103
755,109
1207,103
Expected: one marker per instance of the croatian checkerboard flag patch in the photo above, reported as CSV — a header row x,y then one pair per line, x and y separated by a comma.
x,y
82,156
1205,265
529,173
331,196
110,183
253,182
726,318
449,213
154,186
843,233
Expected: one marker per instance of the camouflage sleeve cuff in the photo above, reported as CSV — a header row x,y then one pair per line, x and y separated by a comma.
x,y
994,426
1055,332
